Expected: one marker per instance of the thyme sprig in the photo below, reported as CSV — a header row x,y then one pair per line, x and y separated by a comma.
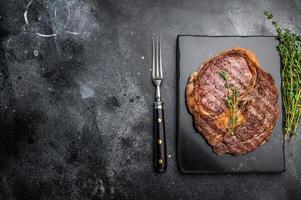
x,y
289,51
231,100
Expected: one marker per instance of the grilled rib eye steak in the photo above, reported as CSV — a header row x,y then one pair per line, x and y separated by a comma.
x,y
257,107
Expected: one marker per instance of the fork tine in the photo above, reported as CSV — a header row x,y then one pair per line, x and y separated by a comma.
x,y
160,59
157,57
154,56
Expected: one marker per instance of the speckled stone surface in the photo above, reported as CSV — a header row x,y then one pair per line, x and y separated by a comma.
x,y
76,98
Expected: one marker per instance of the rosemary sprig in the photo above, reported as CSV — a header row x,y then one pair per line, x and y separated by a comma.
x,y
289,51
231,100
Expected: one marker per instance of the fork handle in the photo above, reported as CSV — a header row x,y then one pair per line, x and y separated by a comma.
x,y
160,139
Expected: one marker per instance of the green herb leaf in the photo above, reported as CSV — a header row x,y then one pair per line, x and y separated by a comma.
x,y
224,75
228,101
268,14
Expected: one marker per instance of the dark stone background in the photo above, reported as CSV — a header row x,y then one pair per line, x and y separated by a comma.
x,y
76,109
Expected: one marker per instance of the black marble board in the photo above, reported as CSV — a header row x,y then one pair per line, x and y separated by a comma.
x,y
194,154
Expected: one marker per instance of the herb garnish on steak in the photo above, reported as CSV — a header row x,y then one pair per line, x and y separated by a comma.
x,y
231,101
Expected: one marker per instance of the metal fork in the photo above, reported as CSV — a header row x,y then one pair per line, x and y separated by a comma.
x,y
159,127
